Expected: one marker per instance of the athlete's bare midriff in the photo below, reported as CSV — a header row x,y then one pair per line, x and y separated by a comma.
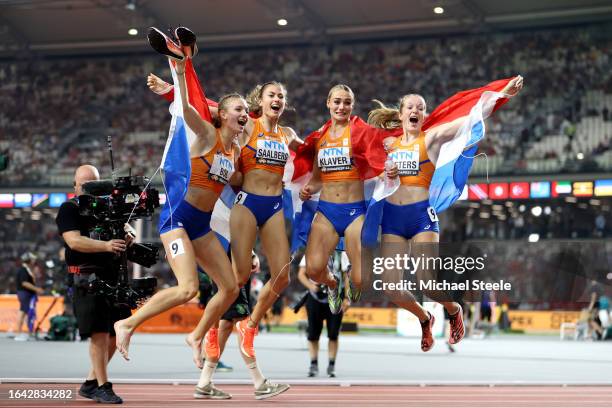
x,y
342,191
263,182
408,195
201,198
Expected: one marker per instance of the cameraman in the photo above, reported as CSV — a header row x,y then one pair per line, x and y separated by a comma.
x,y
95,314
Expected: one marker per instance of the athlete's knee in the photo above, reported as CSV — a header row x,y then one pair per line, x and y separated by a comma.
x,y
315,271
229,291
243,270
99,341
232,292
187,291
228,281
243,279
281,281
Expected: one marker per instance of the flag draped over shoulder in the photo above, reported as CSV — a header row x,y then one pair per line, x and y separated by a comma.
x,y
456,156
368,157
176,163
367,149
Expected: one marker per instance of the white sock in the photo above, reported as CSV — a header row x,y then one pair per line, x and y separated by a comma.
x,y
256,375
207,373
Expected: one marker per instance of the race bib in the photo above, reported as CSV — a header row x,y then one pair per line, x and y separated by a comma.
x,y
271,152
177,248
432,214
221,169
334,159
240,198
407,160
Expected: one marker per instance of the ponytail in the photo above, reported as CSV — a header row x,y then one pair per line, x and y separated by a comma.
x,y
253,98
384,117
389,117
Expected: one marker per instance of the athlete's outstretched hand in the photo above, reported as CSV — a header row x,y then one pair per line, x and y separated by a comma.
x,y
514,86
157,85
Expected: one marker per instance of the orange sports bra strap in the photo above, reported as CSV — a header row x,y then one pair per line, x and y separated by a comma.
x,y
212,149
257,128
203,158
282,134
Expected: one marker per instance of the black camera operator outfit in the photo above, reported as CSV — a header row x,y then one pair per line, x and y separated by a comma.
x,y
95,313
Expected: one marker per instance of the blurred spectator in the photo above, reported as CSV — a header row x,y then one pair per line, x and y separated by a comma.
x,y
595,324
27,292
600,225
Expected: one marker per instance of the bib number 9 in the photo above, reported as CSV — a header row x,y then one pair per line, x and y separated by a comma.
x,y
240,198
177,248
432,214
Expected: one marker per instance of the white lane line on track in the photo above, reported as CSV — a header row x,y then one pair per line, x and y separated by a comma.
x,y
321,382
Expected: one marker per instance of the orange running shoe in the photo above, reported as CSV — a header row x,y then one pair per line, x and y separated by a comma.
x,y
427,340
247,335
457,329
211,344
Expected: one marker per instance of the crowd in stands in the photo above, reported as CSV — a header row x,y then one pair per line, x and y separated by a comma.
x,y
57,111
549,220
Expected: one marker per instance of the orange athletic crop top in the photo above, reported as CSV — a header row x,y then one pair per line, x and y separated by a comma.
x,y
213,170
335,158
415,168
265,150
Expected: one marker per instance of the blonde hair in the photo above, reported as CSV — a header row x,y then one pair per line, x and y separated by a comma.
x,y
386,117
340,87
254,97
223,105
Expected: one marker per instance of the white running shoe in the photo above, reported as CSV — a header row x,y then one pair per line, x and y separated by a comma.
x,y
269,390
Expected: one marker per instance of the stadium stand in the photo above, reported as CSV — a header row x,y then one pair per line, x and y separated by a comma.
x,y
562,122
